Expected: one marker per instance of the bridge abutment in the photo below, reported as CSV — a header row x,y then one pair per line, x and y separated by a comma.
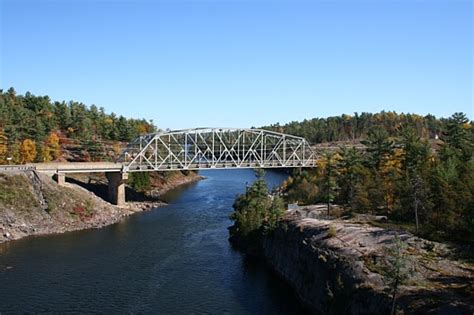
x,y
117,187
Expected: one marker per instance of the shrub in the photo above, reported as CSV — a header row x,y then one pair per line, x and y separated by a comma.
x,y
332,232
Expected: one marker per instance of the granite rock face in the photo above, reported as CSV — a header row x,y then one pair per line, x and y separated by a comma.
x,y
336,267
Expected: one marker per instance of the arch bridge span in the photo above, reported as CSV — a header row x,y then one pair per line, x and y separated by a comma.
x,y
216,148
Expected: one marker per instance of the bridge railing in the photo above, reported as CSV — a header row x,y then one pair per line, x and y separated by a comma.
x,y
16,168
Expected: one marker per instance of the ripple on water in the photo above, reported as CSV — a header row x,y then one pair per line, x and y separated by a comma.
x,y
175,259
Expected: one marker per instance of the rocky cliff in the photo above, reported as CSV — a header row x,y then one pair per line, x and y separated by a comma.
x,y
337,267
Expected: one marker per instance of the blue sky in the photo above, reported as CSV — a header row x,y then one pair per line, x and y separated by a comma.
x,y
242,63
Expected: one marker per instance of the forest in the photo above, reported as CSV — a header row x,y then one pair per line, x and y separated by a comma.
x,y
417,170
426,186
37,129
356,126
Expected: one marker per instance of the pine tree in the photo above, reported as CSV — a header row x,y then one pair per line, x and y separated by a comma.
x,y
458,135
350,169
255,209
379,146
413,189
327,182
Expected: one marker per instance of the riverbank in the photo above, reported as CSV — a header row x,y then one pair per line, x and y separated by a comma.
x,y
339,267
34,204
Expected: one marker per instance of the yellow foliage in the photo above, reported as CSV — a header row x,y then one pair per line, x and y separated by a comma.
x,y
391,167
3,147
143,128
27,151
117,148
51,149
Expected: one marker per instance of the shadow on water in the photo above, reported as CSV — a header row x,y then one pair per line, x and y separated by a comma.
x,y
256,270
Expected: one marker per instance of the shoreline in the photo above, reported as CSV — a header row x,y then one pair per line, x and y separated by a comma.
x,y
339,266
41,207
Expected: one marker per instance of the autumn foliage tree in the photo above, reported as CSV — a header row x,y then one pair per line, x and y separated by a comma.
x,y
86,131
27,151
51,149
3,147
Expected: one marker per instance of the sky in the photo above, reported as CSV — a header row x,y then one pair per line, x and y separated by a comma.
x,y
188,64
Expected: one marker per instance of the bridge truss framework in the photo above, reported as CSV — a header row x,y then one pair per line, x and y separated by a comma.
x,y
216,148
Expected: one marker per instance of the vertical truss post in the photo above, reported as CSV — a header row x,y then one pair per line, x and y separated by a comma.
x,y
218,148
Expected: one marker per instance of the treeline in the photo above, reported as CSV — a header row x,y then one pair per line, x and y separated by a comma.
x,y
357,126
401,176
36,129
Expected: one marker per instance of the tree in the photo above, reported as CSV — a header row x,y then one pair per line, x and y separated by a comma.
x,y
274,213
415,164
302,187
27,151
350,174
3,147
51,149
397,269
327,182
379,147
140,181
255,209
458,137
124,130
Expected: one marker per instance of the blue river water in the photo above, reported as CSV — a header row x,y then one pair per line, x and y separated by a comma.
x,y
174,259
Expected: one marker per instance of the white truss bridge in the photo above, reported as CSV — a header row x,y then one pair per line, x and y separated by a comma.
x,y
216,148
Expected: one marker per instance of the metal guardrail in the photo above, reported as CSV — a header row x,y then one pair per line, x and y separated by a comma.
x,y
16,168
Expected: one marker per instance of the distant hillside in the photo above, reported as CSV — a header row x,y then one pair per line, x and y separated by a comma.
x,y
353,127
36,129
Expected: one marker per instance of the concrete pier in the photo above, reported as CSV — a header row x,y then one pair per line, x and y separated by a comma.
x,y
61,179
117,187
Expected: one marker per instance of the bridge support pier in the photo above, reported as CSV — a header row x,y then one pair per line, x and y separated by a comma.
x,y
61,179
117,187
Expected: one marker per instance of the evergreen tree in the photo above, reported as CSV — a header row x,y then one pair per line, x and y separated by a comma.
x,y
351,174
255,209
327,181
458,136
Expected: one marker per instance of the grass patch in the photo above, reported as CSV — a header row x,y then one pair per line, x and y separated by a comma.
x,y
15,190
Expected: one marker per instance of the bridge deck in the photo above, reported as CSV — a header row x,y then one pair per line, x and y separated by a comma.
x,y
106,167
77,167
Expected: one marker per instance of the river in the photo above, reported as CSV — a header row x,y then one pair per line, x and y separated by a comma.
x,y
174,259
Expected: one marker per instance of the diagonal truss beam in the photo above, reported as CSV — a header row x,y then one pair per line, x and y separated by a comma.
x,y
204,148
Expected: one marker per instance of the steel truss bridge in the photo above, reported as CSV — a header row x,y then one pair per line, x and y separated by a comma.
x,y
216,148
190,149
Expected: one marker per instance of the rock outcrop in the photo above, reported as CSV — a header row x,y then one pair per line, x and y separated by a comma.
x,y
336,266
34,204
